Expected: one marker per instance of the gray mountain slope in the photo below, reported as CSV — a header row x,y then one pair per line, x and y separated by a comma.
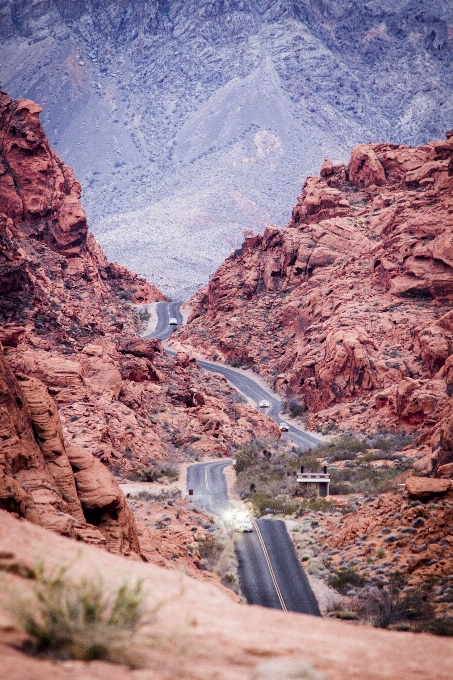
x,y
187,121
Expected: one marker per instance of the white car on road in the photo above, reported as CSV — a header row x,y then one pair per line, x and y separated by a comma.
x,y
173,321
284,427
243,526
264,403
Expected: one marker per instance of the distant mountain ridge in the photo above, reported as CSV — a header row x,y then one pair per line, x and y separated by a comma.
x,y
187,121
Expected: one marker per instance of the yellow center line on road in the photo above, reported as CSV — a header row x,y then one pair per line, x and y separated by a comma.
x,y
271,571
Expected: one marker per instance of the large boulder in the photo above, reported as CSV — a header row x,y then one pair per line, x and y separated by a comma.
x,y
425,488
365,168
103,502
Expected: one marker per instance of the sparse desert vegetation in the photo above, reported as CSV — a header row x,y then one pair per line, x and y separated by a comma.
x,y
80,619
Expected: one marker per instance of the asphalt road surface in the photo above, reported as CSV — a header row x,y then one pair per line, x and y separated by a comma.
x,y
269,570
165,311
237,378
270,573
254,391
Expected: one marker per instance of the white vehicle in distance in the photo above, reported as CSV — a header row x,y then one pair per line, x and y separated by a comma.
x,y
284,427
264,403
243,526
173,321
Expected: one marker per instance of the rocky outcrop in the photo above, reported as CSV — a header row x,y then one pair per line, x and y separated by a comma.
x,y
46,250
103,502
347,310
411,530
37,190
424,488
49,436
41,479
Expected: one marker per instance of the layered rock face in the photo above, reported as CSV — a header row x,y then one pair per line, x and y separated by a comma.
x,y
46,249
43,481
80,392
347,310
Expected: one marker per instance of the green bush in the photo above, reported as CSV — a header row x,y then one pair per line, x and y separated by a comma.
x,y
83,620
345,579
362,478
295,409
264,503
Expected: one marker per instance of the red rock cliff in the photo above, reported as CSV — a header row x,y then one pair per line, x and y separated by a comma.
x,y
81,395
347,309
39,193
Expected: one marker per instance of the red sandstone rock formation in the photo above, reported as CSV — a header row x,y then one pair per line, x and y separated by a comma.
x,y
80,391
43,230
424,488
347,309
420,533
36,472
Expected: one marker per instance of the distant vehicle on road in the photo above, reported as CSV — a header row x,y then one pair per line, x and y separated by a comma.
x,y
173,321
284,427
243,526
264,403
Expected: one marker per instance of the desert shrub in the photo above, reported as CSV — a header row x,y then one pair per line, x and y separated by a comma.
x,y
295,409
236,363
141,475
394,603
362,478
440,625
144,315
245,459
210,549
152,474
237,398
314,505
229,578
345,579
168,495
343,447
80,620
339,488
389,441
310,463
264,503
170,471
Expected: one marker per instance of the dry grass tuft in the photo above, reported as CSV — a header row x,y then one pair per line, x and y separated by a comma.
x,y
80,620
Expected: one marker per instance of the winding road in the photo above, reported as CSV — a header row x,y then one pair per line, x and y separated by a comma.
x,y
270,573
269,570
165,311
237,378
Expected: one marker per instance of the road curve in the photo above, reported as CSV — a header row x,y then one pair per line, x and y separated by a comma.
x,y
237,378
252,389
269,571
165,311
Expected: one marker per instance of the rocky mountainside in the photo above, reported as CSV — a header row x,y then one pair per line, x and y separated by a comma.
x,y
188,121
81,394
347,311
